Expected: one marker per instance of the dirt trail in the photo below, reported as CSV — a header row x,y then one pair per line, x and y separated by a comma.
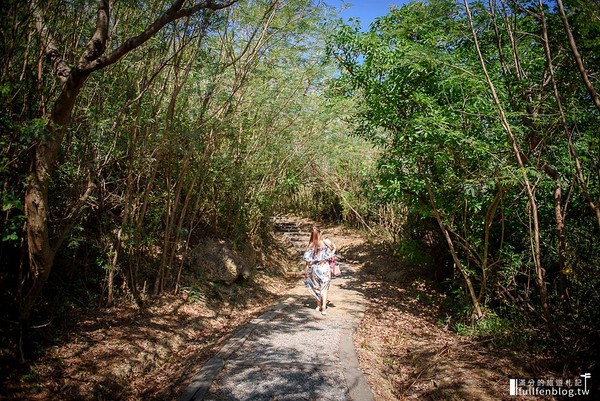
x,y
291,352
404,348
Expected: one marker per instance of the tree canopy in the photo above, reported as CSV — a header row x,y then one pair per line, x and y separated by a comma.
x,y
489,131
467,132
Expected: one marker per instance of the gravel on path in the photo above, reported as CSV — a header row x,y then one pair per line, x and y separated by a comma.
x,y
291,352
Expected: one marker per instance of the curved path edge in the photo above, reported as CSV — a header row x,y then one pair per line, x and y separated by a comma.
x,y
358,388
350,310
200,384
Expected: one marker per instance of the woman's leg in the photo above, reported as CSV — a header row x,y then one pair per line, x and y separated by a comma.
x,y
327,293
311,281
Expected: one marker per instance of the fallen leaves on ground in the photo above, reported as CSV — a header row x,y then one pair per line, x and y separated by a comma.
x,y
405,349
127,353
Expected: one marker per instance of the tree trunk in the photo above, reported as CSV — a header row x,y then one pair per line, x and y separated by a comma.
x,y
577,161
536,251
562,243
45,152
558,210
489,219
178,229
41,253
474,299
170,236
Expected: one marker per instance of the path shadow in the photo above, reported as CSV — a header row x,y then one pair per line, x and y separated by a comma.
x,y
291,356
432,363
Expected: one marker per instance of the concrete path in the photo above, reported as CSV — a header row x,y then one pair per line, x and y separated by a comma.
x,y
291,352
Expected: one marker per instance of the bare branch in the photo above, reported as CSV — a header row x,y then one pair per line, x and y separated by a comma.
x,y
577,55
174,13
535,231
59,66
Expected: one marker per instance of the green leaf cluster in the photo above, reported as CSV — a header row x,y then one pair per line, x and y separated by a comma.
x,y
423,99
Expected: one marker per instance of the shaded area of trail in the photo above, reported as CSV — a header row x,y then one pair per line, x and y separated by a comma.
x,y
291,352
394,316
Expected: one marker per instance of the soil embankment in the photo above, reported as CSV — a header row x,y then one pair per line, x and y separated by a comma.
x,y
403,347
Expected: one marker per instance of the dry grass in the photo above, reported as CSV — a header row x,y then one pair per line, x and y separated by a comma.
x,y
404,350
126,353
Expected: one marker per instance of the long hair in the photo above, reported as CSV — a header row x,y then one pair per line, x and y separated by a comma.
x,y
315,237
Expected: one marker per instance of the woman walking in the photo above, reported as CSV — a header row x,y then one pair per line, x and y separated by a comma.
x,y
318,273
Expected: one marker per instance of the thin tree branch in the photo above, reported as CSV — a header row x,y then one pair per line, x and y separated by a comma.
x,y
60,67
577,55
174,13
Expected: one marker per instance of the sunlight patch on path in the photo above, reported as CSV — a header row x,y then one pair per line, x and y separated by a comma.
x,y
291,352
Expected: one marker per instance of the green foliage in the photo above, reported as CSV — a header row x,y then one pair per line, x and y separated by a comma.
x,y
490,326
224,119
422,98
12,208
195,294
208,129
413,252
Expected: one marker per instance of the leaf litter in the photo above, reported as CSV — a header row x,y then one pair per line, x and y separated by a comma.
x,y
126,353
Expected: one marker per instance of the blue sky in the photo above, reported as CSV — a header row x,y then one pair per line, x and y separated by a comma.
x,y
365,10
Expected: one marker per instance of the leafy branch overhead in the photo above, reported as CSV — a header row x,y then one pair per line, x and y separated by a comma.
x,y
487,126
461,136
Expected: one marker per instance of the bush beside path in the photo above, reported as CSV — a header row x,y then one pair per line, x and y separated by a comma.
x,y
405,348
390,315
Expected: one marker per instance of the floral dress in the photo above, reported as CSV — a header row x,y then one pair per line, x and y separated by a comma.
x,y
319,274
